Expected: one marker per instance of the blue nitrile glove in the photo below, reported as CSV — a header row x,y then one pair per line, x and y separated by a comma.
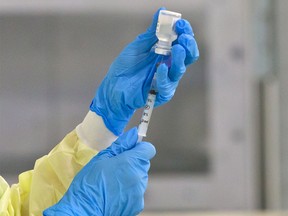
x,y
126,85
112,183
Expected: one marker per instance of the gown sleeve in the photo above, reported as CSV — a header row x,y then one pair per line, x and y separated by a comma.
x,y
45,185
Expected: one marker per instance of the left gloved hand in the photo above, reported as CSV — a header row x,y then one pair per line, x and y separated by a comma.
x,y
112,183
126,85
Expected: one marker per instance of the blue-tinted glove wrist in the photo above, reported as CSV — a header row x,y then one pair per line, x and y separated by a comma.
x,y
112,120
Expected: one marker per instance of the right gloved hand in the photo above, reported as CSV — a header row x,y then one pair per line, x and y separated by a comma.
x,y
126,85
112,183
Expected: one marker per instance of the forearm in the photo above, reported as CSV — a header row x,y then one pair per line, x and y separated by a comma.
x,y
93,132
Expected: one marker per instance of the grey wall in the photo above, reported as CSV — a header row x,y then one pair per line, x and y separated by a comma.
x,y
282,65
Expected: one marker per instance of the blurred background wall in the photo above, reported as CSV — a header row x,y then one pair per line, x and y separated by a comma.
x,y
221,142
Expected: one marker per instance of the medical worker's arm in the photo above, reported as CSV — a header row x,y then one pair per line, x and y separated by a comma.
x,y
112,183
126,85
123,90
45,185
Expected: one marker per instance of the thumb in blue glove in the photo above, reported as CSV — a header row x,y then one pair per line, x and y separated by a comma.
x,y
112,183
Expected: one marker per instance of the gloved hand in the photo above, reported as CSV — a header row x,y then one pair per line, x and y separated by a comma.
x,y
126,85
112,183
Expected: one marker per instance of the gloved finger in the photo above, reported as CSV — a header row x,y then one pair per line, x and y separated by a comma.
x,y
162,75
125,142
142,150
145,41
165,93
190,45
178,67
182,26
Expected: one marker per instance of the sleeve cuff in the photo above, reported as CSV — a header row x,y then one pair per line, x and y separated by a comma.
x,y
93,132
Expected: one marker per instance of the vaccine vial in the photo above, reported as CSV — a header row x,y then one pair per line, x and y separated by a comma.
x,y
165,31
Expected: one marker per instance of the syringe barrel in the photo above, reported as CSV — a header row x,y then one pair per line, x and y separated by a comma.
x,y
143,126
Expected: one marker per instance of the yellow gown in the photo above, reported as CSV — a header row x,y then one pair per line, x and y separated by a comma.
x,y
45,185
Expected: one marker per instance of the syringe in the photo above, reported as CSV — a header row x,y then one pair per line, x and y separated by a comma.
x,y
147,113
166,35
